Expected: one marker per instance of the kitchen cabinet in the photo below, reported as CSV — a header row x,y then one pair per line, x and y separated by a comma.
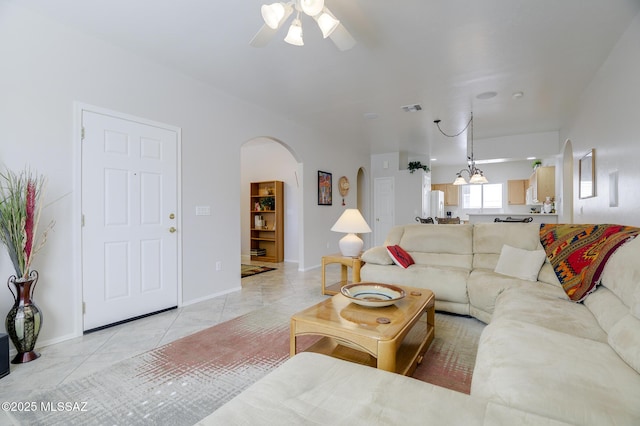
x,y
517,191
451,193
542,184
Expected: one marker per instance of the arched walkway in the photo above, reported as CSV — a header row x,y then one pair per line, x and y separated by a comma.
x,y
264,159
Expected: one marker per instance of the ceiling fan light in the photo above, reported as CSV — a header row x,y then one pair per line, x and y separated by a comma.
x,y
460,180
294,36
312,7
274,14
327,23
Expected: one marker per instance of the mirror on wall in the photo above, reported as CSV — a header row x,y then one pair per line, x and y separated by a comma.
x,y
587,175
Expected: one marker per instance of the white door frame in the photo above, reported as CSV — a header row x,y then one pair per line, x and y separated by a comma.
x,y
79,107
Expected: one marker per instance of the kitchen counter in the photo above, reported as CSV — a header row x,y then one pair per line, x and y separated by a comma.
x,y
490,217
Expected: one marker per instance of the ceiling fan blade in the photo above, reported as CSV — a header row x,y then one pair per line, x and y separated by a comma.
x,y
342,39
263,36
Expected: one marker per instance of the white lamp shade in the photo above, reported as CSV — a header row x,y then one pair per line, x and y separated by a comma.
x,y
327,23
478,178
351,221
294,36
312,7
460,181
274,14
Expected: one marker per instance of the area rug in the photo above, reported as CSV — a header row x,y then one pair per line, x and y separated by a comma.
x,y
184,381
249,270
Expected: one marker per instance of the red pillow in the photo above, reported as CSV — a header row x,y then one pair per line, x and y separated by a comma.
x,y
400,257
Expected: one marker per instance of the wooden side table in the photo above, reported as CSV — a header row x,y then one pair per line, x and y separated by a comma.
x,y
355,263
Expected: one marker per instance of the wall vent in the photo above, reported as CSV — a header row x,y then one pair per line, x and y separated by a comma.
x,y
412,108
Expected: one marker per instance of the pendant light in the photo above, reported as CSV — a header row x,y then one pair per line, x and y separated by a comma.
x,y
476,176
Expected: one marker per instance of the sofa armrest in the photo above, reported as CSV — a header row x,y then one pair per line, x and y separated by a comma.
x,y
377,255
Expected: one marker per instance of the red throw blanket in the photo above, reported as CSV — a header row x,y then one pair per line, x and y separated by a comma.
x,y
578,253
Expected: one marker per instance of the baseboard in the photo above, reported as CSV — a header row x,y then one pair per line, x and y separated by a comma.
x,y
211,296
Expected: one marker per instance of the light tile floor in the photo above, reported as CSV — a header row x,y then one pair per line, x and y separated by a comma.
x,y
90,353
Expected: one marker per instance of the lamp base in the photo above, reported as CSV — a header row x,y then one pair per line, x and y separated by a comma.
x,y
351,245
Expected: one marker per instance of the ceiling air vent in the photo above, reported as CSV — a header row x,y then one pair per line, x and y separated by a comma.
x,y
412,108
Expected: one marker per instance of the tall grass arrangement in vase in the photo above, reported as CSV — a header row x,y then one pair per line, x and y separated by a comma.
x,y
20,207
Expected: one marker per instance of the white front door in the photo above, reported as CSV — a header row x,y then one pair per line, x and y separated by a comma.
x,y
384,208
129,213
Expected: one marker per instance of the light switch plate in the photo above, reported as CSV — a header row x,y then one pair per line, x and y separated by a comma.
x,y
203,211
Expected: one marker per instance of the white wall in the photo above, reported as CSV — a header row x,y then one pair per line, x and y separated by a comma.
x,y
407,186
263,160
606,119
46,67
517,147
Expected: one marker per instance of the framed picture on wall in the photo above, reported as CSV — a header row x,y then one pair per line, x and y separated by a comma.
x,y
587,174
324,188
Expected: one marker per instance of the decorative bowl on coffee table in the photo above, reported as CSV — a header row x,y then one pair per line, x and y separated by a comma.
x,y
373,294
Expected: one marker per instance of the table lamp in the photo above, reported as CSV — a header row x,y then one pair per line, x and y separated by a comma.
x,y
351,222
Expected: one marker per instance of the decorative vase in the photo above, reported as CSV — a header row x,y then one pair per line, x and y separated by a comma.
x,y
546,206
24,319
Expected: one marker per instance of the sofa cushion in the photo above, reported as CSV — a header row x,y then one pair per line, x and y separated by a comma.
x,y
400,257
501,415
437,239
606,307
624,338
313,389
394,235
463,261
555,375
548,275
621,274
519,263
490,237
378,255
540,304
484,286
490,260
447,283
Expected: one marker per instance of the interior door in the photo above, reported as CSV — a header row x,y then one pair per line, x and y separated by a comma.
x,y
129,209
384,208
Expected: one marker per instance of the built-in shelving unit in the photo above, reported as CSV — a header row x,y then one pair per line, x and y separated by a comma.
x,y
267,221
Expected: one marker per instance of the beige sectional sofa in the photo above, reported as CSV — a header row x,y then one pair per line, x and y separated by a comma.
x,y
542,359
457,263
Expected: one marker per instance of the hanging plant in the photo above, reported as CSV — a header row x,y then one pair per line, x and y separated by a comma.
x,y
416,165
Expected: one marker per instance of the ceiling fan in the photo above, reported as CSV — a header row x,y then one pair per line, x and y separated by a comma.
x,y
276,14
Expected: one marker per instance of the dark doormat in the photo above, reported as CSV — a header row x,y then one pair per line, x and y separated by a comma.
x,y
248,270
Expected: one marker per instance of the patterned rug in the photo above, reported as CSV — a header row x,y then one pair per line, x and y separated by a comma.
x,y
249,270
184,381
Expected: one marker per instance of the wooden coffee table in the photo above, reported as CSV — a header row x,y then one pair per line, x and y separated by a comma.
x,y
362,334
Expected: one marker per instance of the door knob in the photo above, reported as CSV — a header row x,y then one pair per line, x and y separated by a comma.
x,y
172,229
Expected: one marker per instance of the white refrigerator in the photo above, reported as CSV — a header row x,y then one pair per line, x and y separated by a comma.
x,y
436,208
